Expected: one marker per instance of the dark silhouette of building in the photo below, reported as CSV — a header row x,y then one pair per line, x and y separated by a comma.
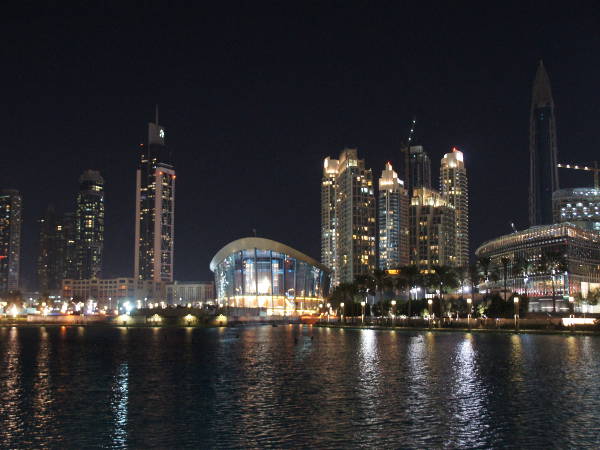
x,y
420,168
90,224
10,239
155,209
543,175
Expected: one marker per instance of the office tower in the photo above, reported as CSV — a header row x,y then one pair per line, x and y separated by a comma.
x,y
68,222
355,218
543,173
328,222
420,168
51,256
155,209
454,188
10,239
392,220
90,224
432,230
579,206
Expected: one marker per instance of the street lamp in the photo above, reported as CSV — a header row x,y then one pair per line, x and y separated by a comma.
x,y
362,304
342,306
469,300
393,312
516,302
328,311
572,305
430,306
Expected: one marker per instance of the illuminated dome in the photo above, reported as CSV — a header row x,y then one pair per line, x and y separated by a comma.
x,y
270,276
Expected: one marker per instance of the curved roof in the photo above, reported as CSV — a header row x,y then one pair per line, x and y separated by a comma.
x,y
261,244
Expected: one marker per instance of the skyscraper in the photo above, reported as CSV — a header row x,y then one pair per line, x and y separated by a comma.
x,y
90,224
420,168
10,239
155,209
328,219
392,222
454,188
432,230
543,173
355,218
51,257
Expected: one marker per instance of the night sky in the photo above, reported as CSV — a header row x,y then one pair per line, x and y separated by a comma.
x,y
254,95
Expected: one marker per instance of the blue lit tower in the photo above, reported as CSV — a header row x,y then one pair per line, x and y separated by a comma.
x,y
543,175
392,223
155,209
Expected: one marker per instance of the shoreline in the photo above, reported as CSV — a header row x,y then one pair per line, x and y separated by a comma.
x,y
573,332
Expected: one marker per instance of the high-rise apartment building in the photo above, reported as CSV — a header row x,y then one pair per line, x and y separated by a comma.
x,y
328,219
420,168
543,175
90,224
155,209
10,239
393,221
454,188
354,217
51,262
432,230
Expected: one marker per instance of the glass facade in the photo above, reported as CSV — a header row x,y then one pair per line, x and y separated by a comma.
x,y
272,280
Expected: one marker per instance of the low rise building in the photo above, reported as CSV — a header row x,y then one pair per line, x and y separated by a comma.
x,y
113,292
194,292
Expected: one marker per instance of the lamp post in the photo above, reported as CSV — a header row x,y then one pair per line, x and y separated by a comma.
x,y
572,305
342,306
516,302
393,312
430,307
469,300
362,304
328,311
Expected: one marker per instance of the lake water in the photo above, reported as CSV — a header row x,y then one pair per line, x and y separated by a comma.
x,y
293,386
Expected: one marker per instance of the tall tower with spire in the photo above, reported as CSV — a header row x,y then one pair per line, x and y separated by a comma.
x,y
155,209
543,173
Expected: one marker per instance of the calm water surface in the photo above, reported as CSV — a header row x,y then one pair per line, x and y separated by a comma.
x,y
293,386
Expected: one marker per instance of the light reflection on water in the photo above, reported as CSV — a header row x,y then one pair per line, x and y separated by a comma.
x,y
295,387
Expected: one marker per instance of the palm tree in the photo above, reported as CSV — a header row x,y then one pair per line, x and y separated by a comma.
x,y
485,263
462,276
553,263
505,261
380,281
443,276
522,267
474,276
410,275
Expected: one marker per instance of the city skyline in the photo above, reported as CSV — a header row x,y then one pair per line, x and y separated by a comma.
x,y
218,136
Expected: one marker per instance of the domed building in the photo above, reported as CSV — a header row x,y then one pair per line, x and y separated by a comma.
x,y
268,276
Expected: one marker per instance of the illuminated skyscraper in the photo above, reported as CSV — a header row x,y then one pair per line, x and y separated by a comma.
x,y
392,220
432,230
10,239
155,209
354,217
90,224
454,188
543,173
420,168
328,219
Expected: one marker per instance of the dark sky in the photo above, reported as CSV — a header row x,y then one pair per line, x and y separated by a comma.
x,y
255,94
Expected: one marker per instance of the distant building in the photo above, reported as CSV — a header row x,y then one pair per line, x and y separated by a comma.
x,y
454,188
90,224
155,209
581,249
392,225
355,218
543,177
112,292
194,292
328,218
580,206
51,262
420,168
268,277
10,239
432,230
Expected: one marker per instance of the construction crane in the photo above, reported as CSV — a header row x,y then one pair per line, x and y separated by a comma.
x,y
594,170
